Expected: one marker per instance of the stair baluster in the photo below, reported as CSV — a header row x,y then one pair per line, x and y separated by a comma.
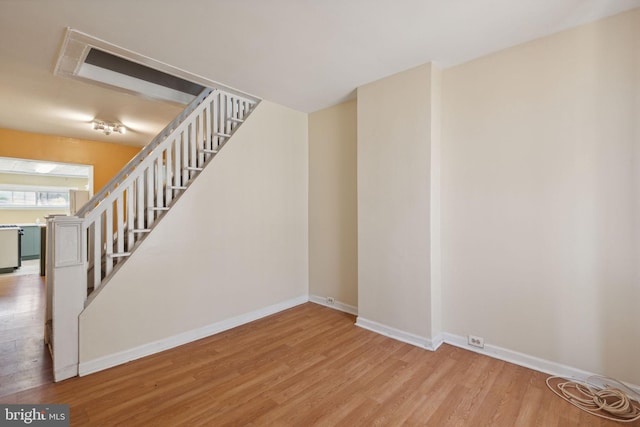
x,y
126,210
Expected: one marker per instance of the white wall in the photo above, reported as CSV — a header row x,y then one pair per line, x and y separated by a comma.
x,y
236,242
333,239
540,198
394,201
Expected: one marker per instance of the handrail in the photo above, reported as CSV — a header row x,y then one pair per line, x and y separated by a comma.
x,y
116,220
133,163
128,178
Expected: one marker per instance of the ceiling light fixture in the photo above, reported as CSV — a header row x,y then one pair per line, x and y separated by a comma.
x,y
44,167
108,128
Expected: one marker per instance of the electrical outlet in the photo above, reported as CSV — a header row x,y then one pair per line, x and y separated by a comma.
x,y
330,300
475,341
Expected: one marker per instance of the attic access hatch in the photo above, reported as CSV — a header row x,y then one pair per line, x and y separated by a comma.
x,y
99,62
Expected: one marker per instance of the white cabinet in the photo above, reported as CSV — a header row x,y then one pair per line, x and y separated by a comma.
x,y
9,256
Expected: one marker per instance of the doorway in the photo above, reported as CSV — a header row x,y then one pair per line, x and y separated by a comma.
x,y
30,191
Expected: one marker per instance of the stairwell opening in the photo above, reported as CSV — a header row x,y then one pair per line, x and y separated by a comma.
x,y
98,62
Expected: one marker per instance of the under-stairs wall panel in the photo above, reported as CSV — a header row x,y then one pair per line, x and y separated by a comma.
x,y
235,243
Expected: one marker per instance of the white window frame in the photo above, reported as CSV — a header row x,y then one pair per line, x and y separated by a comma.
x,y
35,189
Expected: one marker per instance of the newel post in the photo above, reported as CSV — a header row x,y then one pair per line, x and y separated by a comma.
x,y
66,291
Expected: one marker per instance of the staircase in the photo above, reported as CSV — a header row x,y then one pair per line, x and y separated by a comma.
x,y
84,251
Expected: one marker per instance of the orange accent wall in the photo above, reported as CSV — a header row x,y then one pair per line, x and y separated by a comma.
x,y
107,159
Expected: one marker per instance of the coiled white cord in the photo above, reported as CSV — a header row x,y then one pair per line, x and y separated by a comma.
x,y
606,401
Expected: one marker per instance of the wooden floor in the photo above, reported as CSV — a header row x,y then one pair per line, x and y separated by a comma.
x,y
310,366
24,359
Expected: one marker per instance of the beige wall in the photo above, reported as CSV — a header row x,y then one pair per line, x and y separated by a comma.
x,y
635,296
394,201
435,204
44,180
235,242
333,252
540,200
540,235
29,216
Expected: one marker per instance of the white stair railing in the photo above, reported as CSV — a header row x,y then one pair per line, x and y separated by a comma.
x,y
87,249
127,210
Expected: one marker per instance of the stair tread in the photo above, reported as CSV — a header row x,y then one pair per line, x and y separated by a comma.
x,y
119,254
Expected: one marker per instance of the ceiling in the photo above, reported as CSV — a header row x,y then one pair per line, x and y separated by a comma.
x,y
304,54
29,167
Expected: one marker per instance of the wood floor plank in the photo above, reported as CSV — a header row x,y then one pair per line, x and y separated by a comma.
x,y
24,357
309,366
502,403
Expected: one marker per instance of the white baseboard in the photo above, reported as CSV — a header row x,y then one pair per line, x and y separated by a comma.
x,y
511,356
525,360
105,362
398,334
337,305
437,341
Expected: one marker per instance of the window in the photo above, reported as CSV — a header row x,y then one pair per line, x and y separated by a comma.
x,y
34,198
